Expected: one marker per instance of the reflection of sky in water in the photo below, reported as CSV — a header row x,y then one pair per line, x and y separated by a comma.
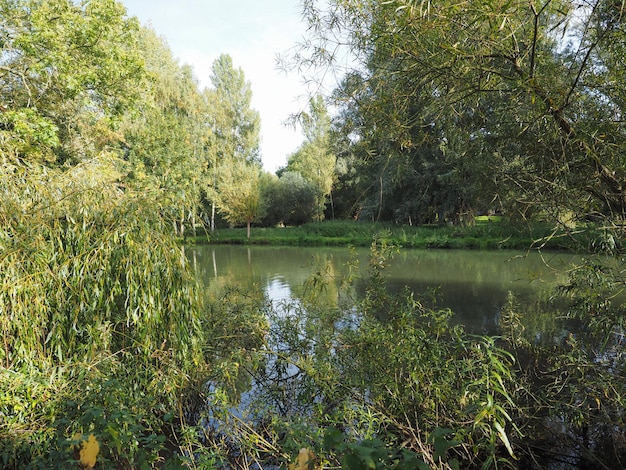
x,y
277,289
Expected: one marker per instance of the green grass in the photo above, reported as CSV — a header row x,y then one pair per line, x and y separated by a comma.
x,y
487,233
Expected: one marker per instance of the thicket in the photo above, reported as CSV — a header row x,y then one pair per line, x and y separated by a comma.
x,y
378,380
100,322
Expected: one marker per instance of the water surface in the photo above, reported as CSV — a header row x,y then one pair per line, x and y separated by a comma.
x,y
473,284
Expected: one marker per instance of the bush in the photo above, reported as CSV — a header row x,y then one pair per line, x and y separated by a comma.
x,y
385,383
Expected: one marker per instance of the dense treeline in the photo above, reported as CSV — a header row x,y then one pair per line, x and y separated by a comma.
x,y
100,319
449,109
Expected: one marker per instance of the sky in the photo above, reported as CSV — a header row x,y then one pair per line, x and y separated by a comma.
x,y
253,33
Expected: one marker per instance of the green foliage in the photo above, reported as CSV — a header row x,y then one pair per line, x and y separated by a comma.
x,y
232,145
424,375
235,125
494,234
99,312
80,255
165,134
290,200
99,320
575,374
448,109
314,159
388,384
24,132
370,454
75,67
239,196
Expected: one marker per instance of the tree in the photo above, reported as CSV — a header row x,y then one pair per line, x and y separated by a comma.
x,y
234,125
290,199
519,84
237,125
239,196
91,272
68,71
314,159
165,135
395,171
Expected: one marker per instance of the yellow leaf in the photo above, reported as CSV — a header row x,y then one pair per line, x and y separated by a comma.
x,y
89,451
305,460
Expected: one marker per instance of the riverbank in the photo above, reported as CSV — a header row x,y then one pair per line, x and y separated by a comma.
x,y
487,233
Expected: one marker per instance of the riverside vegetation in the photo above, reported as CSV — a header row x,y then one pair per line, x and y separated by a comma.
x,y
112,357
486,232
380,382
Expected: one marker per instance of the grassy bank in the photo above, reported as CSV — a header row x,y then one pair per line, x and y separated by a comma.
x,y
487,233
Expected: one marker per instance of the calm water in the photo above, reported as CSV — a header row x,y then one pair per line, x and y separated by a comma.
x,y
473,284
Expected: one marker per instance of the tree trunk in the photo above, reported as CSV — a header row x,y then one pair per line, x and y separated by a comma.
x,y
212,216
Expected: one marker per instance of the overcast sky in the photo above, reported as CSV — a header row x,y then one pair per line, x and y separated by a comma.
x,y
252,32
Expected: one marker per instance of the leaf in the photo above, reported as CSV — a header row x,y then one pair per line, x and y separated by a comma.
x,y
351,462
89,451
504,438
333,439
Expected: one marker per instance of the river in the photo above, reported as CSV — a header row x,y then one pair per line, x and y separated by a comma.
x,y
473,284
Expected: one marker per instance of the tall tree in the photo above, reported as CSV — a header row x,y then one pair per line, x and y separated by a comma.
x,y
237,125
234,125
520,84
68,70
166,132
314,160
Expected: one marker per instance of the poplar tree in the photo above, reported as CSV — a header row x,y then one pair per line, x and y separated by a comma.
x,y
234,133
165,133
315,160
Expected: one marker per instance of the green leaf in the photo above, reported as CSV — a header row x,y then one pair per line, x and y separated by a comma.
x,y
504,438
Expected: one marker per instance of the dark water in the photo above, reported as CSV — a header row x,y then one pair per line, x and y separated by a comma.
x,y
473,284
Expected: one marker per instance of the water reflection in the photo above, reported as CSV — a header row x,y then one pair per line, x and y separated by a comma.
x,y
277,289
473,284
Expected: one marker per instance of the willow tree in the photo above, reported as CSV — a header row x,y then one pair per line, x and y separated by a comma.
x,y
521,84
99,313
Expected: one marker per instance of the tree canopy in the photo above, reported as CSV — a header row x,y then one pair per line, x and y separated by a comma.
x,y
315,160
455,107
